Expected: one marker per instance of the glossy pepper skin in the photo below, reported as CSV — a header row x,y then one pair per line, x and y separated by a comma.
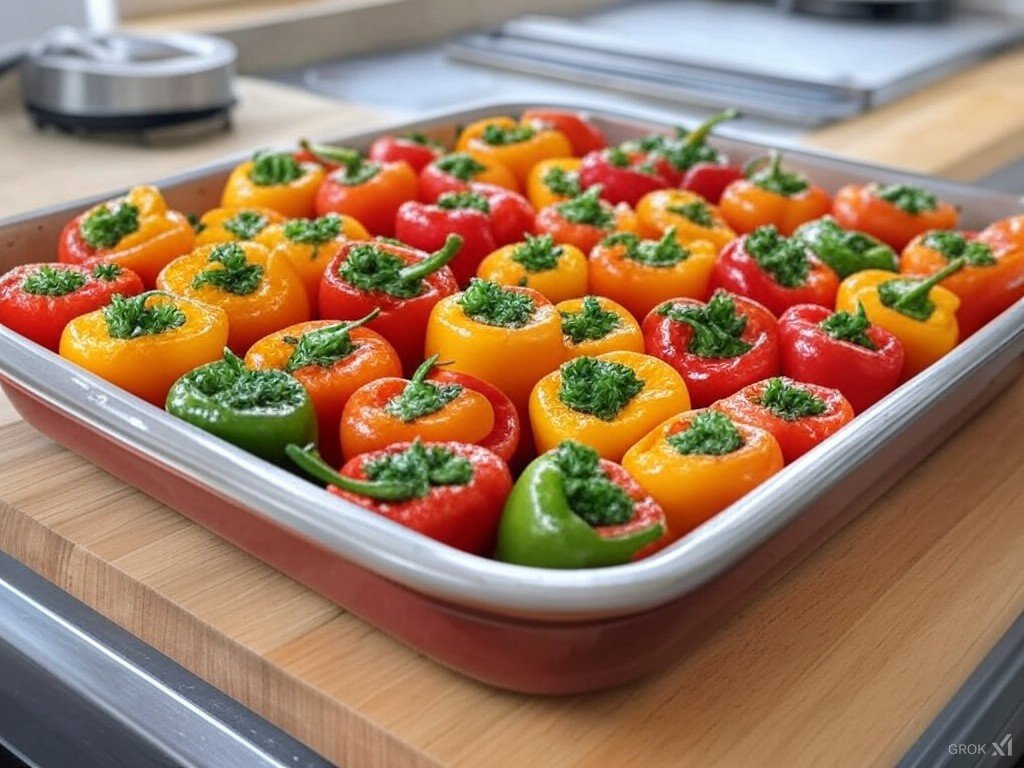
x,y
566,279
864,374
231,225
290,190
129,362
710,378
540,528
332,380
456,171
583,135
512,358
795,436
309,245
894,221
159,235
277,298
802,279
770,195
585,220
553,181
402,318
692,488
924,341
992,280
517,146
479,413
259,411
553,420
845,251
692,217
627,270
415,149
1005,232
39,300
625,175
614,329
368,191
464,516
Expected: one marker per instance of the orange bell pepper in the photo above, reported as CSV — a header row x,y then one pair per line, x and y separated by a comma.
x,y
585,220
1008,232
641,274
992,281
310,244
434,406
594,325
558,272
554,180
770,195
136,231
331,360
690,214
230,225
257,289
697,463
274,180
508,336
919,312
608,402
455,172
895,213
146,343
517,146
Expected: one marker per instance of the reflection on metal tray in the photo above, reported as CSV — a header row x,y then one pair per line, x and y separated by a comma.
x,y
521,628
715,54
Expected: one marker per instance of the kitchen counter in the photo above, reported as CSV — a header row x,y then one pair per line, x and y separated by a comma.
x,y
844,661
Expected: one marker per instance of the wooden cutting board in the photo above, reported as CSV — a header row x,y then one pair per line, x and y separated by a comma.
x,y
843,662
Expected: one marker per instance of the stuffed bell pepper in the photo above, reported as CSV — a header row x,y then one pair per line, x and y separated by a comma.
x,y
274,180
585,220
894,213
231,225
516,145
457,171
692,218
771,195
559,272
594,325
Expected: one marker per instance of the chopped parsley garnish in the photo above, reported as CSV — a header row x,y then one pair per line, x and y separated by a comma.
x,y
245,225
590,323
592,496
274,168
105,227
461,166
420,468
601,388
785,259
421,397
696,212
314,232
849,326
107,272
666,252
537,253
846,252
230,384
236,275
710,433
562,182
132,318
767,173
455,201
489,303
500,136
789,401
907,198
953,245
53,281
717,326
588,208
322,347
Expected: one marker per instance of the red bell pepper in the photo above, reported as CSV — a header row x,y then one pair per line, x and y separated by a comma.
x,y
451,492
775,271
582,134
415,148
405,283
38,300
625,175
841,350
798,415
485,216
718,347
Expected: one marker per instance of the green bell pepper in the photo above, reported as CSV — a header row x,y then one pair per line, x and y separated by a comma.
x,y
846,252
572,509
260,411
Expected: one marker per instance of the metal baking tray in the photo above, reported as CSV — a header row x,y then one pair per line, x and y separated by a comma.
x,y
526,629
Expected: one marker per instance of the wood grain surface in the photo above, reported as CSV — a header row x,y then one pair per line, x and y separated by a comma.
x,y
842,663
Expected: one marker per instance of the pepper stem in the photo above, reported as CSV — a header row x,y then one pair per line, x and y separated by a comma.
x,y
329,154
924,287
433,262
362,321
700,133
309,461
773,160
421,373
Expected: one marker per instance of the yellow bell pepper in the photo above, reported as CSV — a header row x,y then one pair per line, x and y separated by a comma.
x,y
274,180
692,216
608,402
517,146
309,245
554,180
230,225
593,325
918,311
507,336
558,272
696,464
145,343
258,290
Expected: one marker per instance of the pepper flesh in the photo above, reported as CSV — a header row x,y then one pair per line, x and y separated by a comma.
x,y
663,394
694,488
128,363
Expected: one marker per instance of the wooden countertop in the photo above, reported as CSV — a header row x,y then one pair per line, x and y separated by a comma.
x,y
843,662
